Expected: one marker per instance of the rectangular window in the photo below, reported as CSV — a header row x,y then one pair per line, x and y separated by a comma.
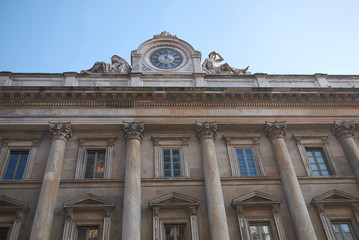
x,y
175,232
87,233
171,163
95,164
16,165
3,233
343,230
318,162
246,164
260,231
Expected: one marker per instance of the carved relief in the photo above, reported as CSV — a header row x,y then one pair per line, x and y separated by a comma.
x,y
165,34
206,130
133,130
276,129
343,129
60,130
117,65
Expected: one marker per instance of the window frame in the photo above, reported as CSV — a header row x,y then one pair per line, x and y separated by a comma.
x,y
171,162
10,144
173,141
350,224
92,142
319,141
244,141
95,162
262,223
87,226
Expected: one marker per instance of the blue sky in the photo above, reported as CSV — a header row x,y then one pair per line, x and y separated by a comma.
x,y
284,37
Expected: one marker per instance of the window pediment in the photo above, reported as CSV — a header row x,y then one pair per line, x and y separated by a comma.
x,y
89,201
175,200
256,198
11,204
335,197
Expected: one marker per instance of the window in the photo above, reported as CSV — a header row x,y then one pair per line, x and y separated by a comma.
x,y
94,160
16,165
17,156
88,217
316,155
87,233
174,232
246,164
260,231
95,164
170,155
3,233
343,230
259,216
244,154
171,163
318,162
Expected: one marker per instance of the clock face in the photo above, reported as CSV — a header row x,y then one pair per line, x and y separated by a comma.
x,y
166,58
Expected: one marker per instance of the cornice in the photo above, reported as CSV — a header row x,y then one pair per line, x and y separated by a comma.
x,y
166,96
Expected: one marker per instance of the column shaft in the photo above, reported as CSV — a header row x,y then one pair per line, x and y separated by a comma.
x,y
131,222
45,209
345,134
294,197
217,218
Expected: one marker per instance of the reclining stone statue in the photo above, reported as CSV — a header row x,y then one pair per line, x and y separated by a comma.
x,y
210,66
117,65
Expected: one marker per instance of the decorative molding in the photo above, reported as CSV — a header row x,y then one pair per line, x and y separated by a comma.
x,y
206,130
60,130
164,34
133,130
343,129
276,129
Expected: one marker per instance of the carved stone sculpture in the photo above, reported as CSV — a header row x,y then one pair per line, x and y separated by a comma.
x,y
206,130
343,129
133,130
276,129
117,65
210,66
60,130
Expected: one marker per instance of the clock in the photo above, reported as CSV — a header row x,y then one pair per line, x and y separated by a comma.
x,y
166,58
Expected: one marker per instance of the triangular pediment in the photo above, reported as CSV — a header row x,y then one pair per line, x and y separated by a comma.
x,y
89,201
335,196
8,203
254,198
174,199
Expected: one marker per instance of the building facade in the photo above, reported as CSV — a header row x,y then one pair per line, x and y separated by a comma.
x,y
177,147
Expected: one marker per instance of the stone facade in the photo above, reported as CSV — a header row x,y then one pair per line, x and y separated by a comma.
x,y
201,123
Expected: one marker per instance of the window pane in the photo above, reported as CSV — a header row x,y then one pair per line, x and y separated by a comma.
x,y
171,163
87,233
343,230
260,231
318,162
16,165
3,233
246,164
95,164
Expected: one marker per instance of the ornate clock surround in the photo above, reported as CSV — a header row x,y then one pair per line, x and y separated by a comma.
x,y
147,62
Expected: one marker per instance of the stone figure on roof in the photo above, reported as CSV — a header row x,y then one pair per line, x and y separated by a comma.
x,y
117,65
210,66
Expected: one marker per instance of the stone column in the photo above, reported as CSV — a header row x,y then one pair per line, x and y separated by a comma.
x,y
41,227
344,131
131,222
301,221
206,133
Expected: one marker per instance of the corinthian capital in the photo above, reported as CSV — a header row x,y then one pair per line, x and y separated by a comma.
x,y
343,129
276,129
206,130
133,130
60,130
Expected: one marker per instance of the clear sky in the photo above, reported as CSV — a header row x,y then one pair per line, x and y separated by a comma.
x,y
295,37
